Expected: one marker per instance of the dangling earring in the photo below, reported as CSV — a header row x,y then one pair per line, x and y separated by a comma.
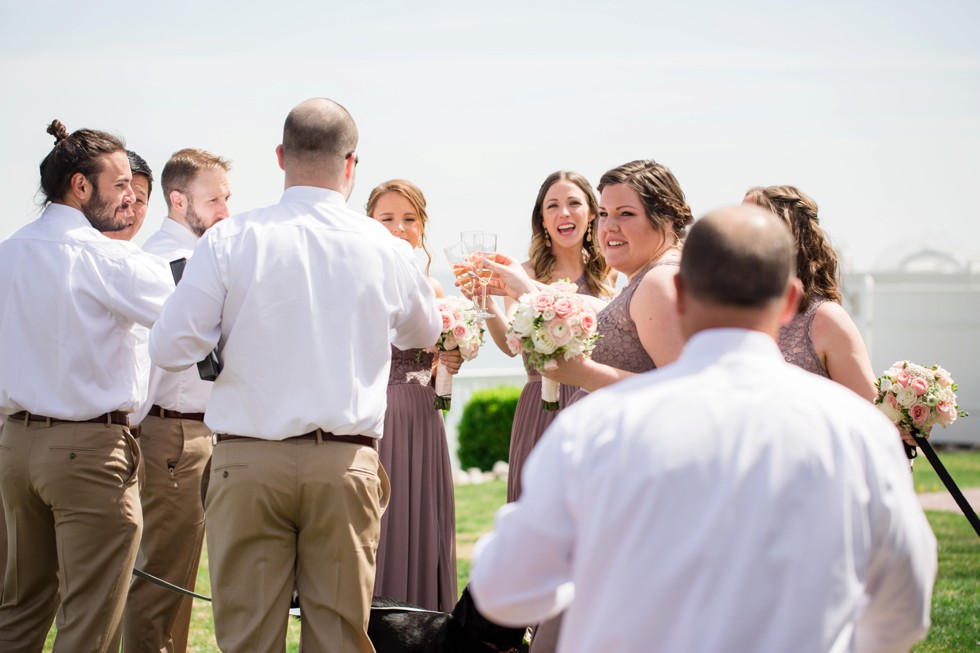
x,y
588,234
547,239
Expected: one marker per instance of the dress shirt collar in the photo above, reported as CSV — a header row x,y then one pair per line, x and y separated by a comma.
x,y
179,232
67,217
714,343
313,195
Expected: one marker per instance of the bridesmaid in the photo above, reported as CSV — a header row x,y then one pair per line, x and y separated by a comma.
x,y
416,560
563,246
643,218
822,338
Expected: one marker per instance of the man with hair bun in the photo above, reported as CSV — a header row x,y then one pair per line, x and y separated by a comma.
x,y
70,298
175,441
727,502
304,299
142,187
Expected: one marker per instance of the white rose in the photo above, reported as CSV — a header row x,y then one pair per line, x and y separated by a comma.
x,y
543,342
893,414
906,397
523,323
885,384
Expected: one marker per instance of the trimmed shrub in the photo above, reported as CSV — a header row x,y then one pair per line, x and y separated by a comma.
x,y
484,428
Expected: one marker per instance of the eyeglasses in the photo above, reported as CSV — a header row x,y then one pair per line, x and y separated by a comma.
x,y
352,154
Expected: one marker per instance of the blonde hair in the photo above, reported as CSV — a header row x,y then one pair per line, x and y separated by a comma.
x,y
540,253
817,264
411,192
184,165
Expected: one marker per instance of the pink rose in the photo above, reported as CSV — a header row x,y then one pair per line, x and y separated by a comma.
x,y
947,412
920,385
588,322
903,378
514,343
564,306
447,321
890,400
919,414
542,303
459,330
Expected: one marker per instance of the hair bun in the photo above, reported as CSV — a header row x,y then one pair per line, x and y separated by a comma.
x,y
58,130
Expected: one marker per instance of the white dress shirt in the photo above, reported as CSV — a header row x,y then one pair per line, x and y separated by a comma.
x,y
303,299
182,391
69,297
727,502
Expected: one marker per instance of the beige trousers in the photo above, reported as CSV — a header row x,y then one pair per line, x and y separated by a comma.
x,y
293,513
73,525
175,452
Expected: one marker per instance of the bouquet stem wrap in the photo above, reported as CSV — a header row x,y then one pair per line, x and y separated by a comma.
x,y
444,388
549,393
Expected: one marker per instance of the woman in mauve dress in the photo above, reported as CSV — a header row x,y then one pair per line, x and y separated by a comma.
x,y
416,560
643,217
563,246
822,338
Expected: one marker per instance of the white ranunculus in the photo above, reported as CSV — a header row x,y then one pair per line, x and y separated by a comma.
x,y
523,323
893,414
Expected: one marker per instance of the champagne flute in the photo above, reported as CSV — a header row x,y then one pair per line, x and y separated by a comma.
x,y
480,245
459,259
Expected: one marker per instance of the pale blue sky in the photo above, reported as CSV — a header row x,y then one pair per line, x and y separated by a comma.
x,y
872,108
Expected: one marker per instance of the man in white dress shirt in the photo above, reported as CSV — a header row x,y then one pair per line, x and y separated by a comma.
x,y
304,299
69,297
175,442
727,502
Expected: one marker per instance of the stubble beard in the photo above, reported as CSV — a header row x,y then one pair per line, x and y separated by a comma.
x,y
101,213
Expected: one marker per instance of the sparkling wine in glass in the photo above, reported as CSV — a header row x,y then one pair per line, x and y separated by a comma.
x,y
461,263
481,245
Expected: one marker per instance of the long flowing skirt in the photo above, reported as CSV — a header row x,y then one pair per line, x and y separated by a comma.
x,y
530,423
417,551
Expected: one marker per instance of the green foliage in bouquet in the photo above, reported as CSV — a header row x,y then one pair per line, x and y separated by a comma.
x,y
484,428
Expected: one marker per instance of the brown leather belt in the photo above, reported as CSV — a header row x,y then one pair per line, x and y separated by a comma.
x,y
363,440
115,417
158,411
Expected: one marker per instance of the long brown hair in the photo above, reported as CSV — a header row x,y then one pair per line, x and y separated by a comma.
x,y
817,264
662,197
411,192
540,253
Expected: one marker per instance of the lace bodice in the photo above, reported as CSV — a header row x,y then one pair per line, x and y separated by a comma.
x,y
796,344
619,345
410,366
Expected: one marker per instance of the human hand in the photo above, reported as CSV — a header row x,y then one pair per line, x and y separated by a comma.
x,y
509,277
568,372
451,360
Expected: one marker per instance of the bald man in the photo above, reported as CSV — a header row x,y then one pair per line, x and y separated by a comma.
x,y
728,502
303,299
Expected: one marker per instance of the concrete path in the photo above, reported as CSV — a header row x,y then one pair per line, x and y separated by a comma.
x,y
944,501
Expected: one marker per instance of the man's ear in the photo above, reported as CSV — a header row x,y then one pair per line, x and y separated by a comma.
x,y
178,201
279,157
80,187
794,293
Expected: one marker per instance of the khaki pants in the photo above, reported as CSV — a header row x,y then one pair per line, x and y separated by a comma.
x,y
175,452
293,513
73,524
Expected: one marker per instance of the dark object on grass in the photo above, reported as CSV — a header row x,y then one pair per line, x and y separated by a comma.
x,y
947,480
403,628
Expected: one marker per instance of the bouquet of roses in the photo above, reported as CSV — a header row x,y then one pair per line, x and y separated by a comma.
x,y
915,398
550,324
461,330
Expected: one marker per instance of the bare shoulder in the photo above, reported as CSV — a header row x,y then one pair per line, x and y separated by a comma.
x,y
831,323
436,286
658,283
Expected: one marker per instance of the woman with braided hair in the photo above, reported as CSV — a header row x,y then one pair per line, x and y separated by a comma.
x,y
822,338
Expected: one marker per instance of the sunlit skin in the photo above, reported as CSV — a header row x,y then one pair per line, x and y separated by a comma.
x,y
106,198
565,213
205,201
397,214
628,239
141,188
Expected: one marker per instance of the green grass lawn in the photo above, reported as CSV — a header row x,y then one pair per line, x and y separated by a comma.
x,y
956,598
